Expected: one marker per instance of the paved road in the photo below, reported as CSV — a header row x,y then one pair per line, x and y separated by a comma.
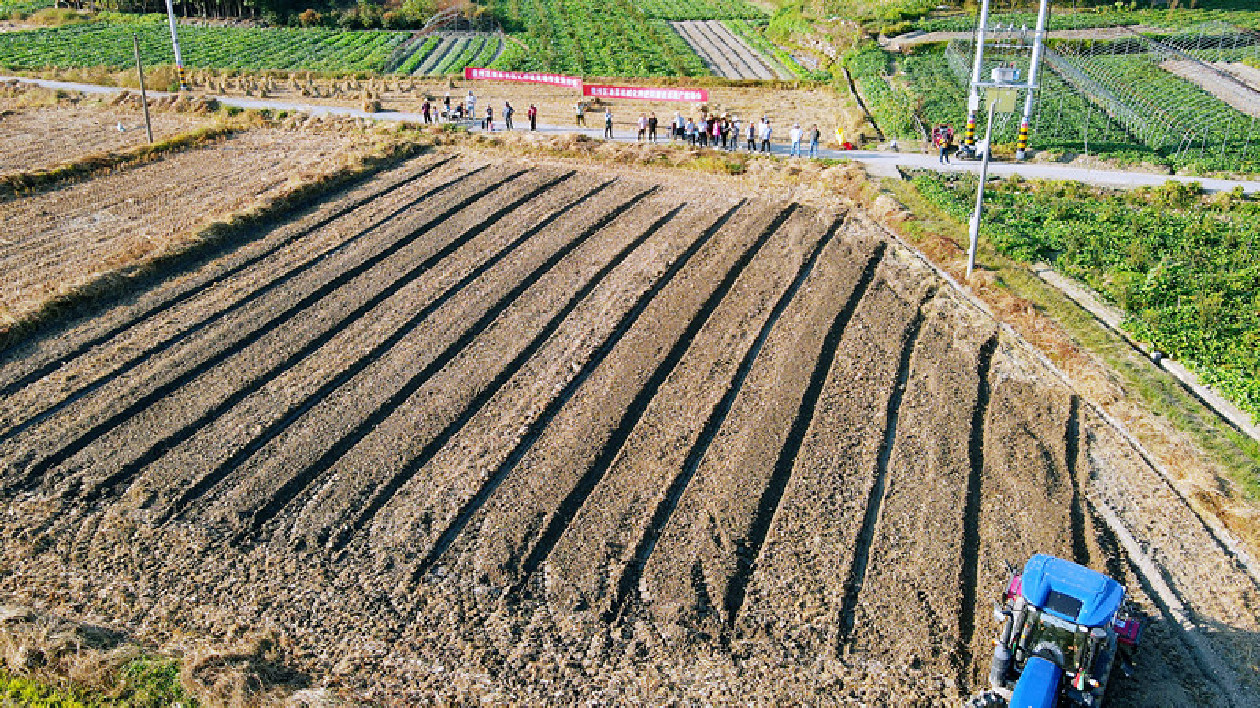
x,y
877,162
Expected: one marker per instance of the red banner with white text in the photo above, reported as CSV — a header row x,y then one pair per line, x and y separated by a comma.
x,y
647,93
529,77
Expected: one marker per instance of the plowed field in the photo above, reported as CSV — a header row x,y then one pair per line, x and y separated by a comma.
x,y
56,240
534,432
42,137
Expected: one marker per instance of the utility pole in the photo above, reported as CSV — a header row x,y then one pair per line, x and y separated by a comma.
x,y
144,98
973,99
984,177
1034,66
179,60
1001,96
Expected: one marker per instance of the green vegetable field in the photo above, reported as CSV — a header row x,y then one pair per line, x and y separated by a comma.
x,y
109,44
1183,268
1060,20
677,10
595,38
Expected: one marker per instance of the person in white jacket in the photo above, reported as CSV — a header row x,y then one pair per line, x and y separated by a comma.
x,y
764,133
795,135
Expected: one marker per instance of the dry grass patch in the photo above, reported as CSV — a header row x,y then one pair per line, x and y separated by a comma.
x,y
92,239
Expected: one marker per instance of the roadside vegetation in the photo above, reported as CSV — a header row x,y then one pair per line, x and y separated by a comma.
x,y
143,682
1181,265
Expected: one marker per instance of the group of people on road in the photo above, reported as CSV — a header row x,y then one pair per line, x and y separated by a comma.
x,y
467,110
726,132
723,131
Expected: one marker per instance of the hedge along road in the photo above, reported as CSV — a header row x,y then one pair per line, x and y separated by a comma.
x,y
877,163
533,426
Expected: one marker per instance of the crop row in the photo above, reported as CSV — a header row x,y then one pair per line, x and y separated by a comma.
x,y
21,7
751,32
1173,116
1090,20
1062,118
678,10
891,108
597,38
413,60
107,44
1184,271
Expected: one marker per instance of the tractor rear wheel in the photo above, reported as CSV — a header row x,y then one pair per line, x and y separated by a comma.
x,y
987,699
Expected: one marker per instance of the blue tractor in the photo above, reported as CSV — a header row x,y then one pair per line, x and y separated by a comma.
x,y
1063,627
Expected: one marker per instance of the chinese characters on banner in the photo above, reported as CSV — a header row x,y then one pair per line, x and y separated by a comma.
x,y
642,93
525,76
647,93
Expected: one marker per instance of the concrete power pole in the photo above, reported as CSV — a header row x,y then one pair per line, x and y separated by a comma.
x,y
1034,66
973,98
179,59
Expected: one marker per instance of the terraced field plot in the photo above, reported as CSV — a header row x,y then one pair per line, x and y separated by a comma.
x,y
725,53
56,240
485,427
34,138
445,53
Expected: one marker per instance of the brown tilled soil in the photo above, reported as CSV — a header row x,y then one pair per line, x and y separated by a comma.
x,y
44,137
56,240
529,431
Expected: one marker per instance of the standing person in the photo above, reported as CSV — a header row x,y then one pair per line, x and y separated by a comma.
x,y
795,135
652,128
608,124
642,126
752,136
425,110
579,118
446,105
814,135
508,110
470,105
944,137
679,129
716,130
532,113
766,131
489,119
691,131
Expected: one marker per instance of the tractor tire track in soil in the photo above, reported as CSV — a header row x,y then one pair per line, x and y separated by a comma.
x,y
968,578
632,575
561,401
531,428
416,326
376,499
574,501
875,500
320,339
772,495
64,451
58,359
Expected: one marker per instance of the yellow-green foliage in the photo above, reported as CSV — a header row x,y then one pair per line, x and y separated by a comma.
x,y
143,682
19,691
55,17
